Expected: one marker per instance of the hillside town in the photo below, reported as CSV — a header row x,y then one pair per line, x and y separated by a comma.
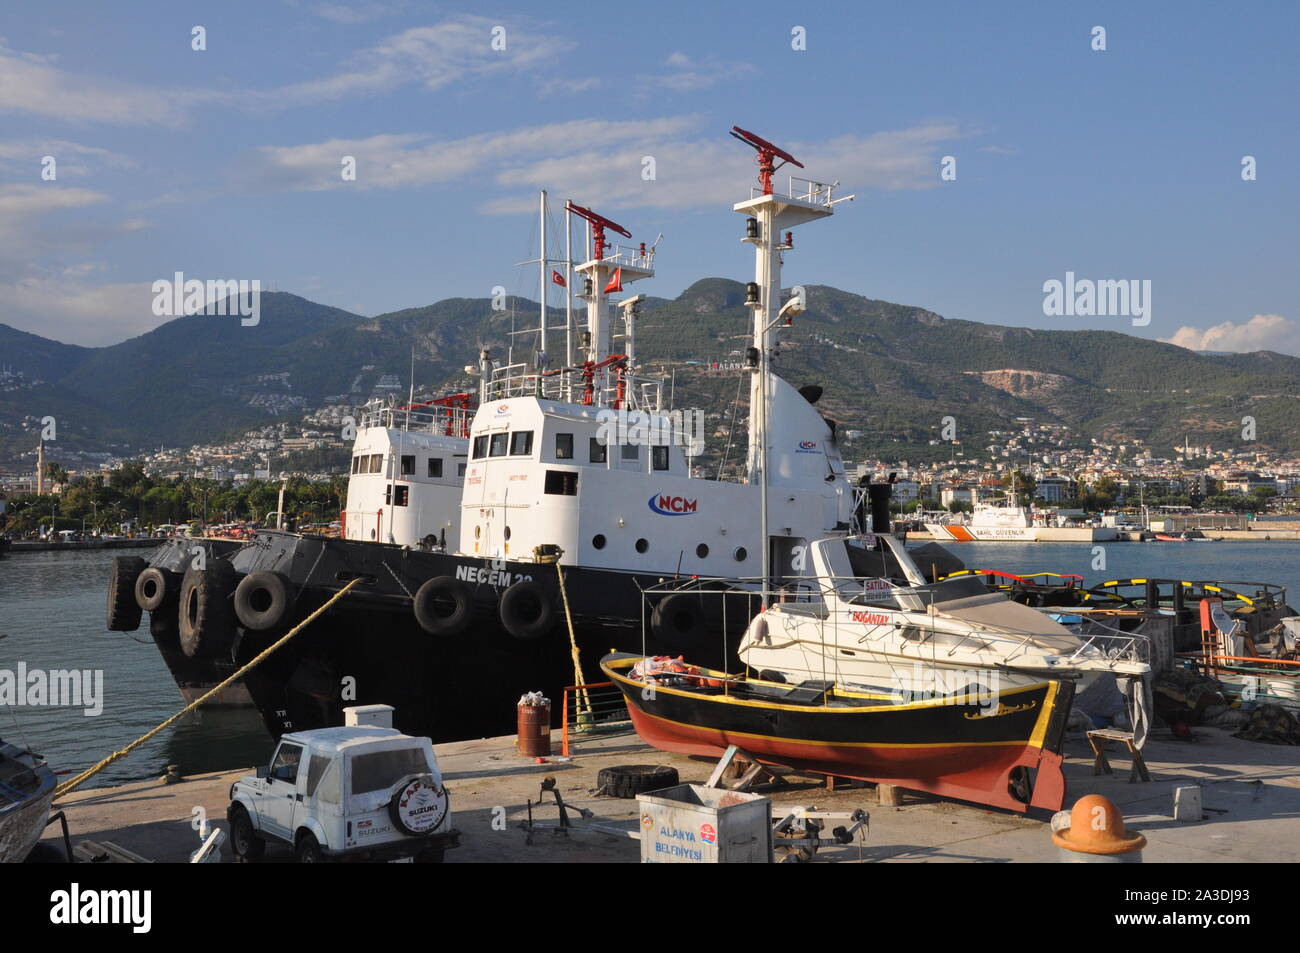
x,y
1041,463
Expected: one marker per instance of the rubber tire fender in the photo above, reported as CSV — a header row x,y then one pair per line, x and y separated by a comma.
x,y
263,586
123,611
667,620
155,588
514,614
207,617
437,589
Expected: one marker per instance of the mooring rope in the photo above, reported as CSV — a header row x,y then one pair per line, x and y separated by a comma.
x,y
573,643
90,772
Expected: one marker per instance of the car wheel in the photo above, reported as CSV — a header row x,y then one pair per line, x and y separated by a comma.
x,y
244,841
309,851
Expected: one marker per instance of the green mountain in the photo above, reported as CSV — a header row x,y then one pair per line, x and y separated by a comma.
x,y
890,370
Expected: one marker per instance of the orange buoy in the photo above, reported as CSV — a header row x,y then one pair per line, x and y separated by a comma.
x,y
1097,834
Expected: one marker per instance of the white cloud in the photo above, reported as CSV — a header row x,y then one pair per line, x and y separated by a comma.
x,y
686,75
355,12
690,169
23,156
1263,332
29,83
48,296
456,50
73,311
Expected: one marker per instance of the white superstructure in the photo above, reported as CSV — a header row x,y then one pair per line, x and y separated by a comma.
x,y
408,464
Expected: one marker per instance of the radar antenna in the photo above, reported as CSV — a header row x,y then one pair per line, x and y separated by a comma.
x,y
767,154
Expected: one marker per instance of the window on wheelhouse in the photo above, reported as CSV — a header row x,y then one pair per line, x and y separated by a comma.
x,y
659,456
408,464
564,446
435,466
561,483
598,450
499,444
631,451
376,463
480,446
356,464
521,443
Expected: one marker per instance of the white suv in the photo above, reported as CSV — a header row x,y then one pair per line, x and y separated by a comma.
x,y
355,792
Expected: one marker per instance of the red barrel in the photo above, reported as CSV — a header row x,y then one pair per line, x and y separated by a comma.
x,y
534,729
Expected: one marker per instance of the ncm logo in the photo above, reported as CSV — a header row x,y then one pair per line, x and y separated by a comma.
x,y
673,505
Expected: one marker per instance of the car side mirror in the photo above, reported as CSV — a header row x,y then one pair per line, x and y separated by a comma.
x,y
263,772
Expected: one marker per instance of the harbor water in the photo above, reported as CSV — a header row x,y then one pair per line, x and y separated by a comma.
x,y
52,617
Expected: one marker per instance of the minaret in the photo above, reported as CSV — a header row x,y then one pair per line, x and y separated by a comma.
x,y
40,467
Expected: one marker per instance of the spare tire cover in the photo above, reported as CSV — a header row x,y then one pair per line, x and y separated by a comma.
x,y
419,805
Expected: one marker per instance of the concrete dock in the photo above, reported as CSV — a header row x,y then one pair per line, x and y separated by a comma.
x,y
1250,793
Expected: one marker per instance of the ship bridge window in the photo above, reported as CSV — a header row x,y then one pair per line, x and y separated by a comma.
x,y
631,451
659,456
521,443
564,446
435,466
598,450
460,469
561,483
480,446
499,445
376,463
408,464
396,495
356,464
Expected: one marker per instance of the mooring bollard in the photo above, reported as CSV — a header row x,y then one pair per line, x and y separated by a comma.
x,y
1097,835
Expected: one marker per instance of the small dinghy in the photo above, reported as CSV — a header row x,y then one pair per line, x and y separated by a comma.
x,y
998,748
26,790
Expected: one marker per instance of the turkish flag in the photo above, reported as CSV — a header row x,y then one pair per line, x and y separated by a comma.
x,y
557,278
615,283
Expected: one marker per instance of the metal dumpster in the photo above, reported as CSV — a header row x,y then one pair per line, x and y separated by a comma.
x,y
692,824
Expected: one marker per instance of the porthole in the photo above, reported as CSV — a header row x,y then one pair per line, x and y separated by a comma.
x,y
701,551
477,531
507,532
598,541
642,545
741,554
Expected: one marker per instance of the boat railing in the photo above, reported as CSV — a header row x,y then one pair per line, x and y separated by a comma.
x,y
630,256
430,419
602,387
821,592
809,191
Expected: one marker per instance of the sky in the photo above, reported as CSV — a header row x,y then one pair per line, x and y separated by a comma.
x,y
1122,163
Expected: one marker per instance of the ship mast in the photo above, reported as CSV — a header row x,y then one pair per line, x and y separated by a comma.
x,y
608,269
769,214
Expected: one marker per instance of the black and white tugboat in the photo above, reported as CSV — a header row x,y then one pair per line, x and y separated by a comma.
x,y
579,472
